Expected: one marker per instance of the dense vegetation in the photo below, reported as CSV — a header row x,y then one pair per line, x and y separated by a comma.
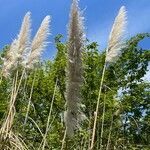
x,y
125,100
84,99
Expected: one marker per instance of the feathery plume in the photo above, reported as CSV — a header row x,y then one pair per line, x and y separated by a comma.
x,y
116,40
24,36
9,59
76,38
115,44
39,42
18,47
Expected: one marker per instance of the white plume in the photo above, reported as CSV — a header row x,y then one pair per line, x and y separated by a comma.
x,y
18,47
39,42
116,39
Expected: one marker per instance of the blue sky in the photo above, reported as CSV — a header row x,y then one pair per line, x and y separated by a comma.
x,y
99,16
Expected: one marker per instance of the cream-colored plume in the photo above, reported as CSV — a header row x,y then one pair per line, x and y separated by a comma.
x,y
10,59
116,39
24,36
18,47
39,42
76,39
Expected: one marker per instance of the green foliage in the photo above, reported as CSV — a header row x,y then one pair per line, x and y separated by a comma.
x,y
135,91
125,94
4,87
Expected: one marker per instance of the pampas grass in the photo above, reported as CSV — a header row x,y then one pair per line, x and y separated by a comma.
x,y
9,59
116,38
24,36
115,44
39,43
76,40
12,59
14,55
27,53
